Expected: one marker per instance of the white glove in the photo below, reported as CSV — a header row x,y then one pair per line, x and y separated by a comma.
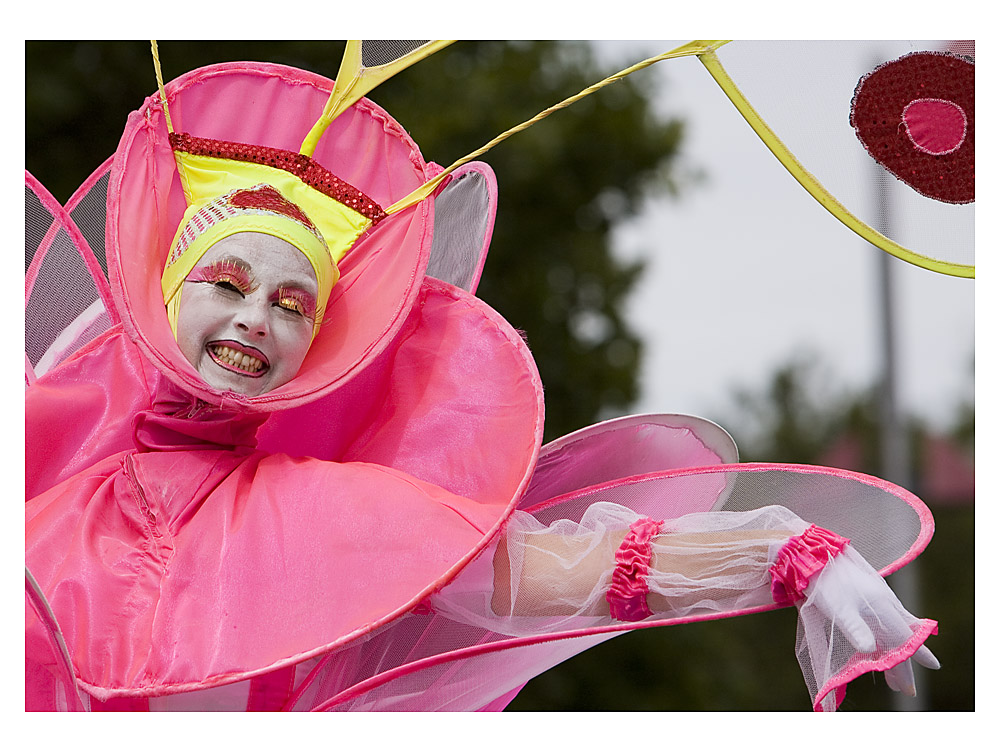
x,y
858,602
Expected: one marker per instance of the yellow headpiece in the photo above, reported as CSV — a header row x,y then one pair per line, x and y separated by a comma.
x,y
319,213
305,205
260,208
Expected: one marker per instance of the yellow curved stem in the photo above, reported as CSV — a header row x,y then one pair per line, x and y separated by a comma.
x,y
697,47
159,83
711,62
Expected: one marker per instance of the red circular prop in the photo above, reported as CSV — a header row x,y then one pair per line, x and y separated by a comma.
x,y
915,116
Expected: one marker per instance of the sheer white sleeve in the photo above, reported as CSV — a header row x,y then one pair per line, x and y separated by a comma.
x,y
540,578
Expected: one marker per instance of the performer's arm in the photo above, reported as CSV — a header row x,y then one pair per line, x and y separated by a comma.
x,y
568,573
559,573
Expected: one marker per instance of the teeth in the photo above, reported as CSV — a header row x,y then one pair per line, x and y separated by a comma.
x,y
237,359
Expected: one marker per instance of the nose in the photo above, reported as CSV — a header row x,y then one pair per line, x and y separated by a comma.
x,y
252,319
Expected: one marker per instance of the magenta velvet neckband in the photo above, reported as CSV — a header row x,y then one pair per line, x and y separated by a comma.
x,y
629,588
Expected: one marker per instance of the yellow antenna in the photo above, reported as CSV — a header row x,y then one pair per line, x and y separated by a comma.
x,y
698,47
159,83
364,66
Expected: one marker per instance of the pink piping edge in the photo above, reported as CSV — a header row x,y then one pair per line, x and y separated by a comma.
x,y
29,371
903,652
103,287
517,642
43,613
103,169
918,506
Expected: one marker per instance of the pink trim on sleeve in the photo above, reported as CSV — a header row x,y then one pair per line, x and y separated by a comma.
x,y
838,683
628,591
799,559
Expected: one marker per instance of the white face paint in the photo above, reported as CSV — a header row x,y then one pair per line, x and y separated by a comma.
x,y
246,314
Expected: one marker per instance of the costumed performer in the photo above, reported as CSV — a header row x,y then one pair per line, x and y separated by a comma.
x,y
189,566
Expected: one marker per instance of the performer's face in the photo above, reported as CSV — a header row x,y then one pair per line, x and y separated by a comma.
x,y
246,315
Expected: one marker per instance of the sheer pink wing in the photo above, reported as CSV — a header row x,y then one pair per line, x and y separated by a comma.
x,y
464,214
624,447
67,301
429,662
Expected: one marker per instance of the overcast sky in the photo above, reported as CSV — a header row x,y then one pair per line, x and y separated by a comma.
x,y
747,269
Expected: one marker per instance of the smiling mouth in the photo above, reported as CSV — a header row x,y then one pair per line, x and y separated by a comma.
x,y
232,356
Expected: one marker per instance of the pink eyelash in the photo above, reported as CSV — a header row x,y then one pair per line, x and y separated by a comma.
x,y
305,301
226,270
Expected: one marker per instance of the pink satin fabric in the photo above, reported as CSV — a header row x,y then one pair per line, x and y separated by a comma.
x,y
197,558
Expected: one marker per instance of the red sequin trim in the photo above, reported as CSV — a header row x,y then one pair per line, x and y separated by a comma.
x,y
916,117
308,171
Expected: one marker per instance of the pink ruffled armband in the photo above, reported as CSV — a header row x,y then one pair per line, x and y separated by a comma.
x,y
627,594
799,559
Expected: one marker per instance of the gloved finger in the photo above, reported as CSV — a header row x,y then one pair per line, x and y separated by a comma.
x,y
926,658
900,678
857,632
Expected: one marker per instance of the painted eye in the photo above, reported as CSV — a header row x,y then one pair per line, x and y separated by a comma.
x,y
228,274
295,301
229,285
291,304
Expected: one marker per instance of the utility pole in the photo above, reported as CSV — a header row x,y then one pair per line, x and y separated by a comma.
x,y
894,450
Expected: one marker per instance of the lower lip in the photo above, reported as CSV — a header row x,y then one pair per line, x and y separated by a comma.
x,y
235,369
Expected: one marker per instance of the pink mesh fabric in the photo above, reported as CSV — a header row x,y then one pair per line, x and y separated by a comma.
x,y
88,208
624,447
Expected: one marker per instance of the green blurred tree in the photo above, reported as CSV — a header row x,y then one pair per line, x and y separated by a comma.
x,y
564,183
